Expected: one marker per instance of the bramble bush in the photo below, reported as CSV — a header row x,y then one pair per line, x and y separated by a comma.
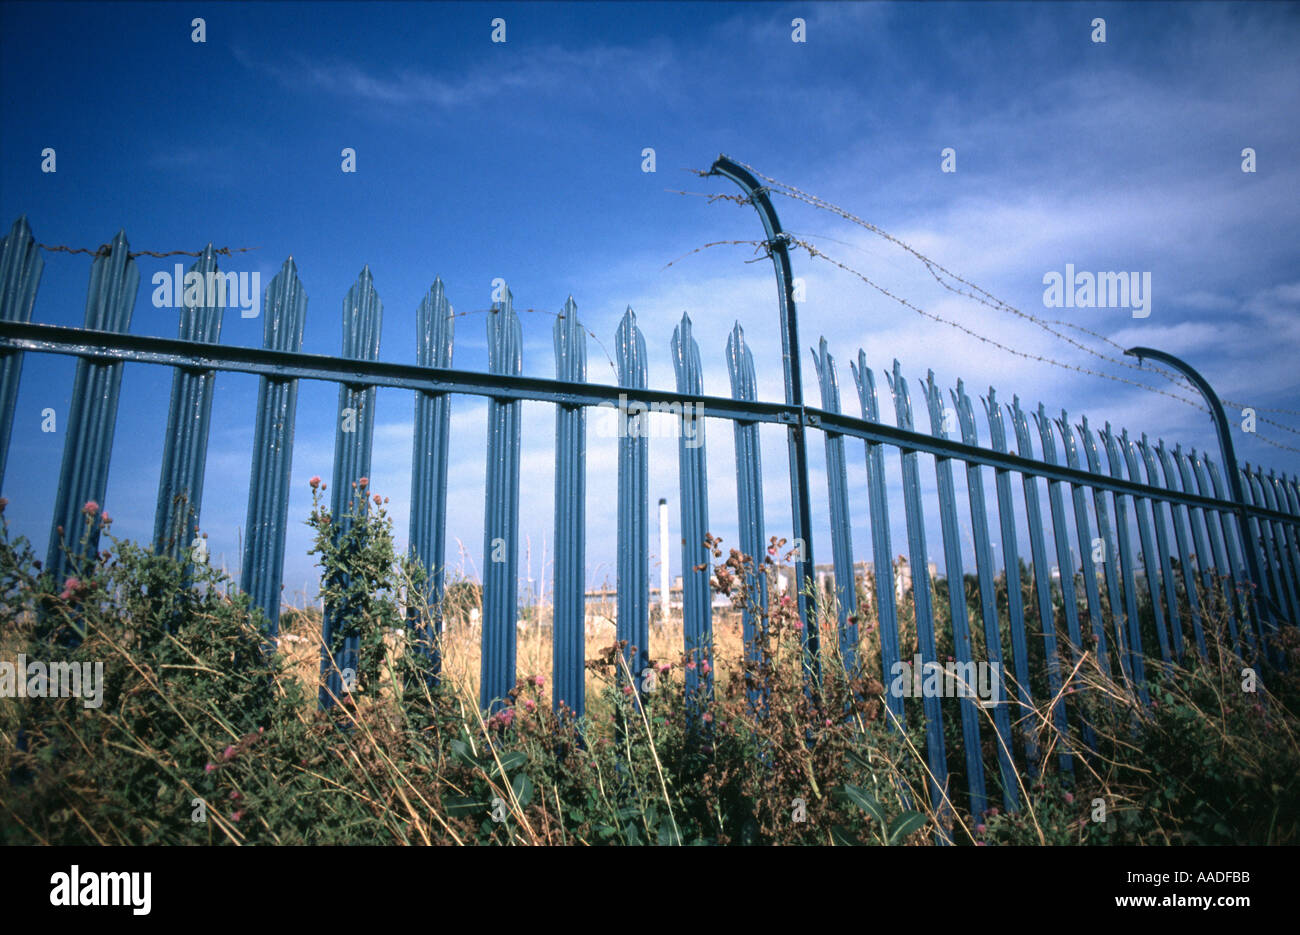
x,y
206,735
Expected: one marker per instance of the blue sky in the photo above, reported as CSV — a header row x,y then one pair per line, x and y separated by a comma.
x,y
522,160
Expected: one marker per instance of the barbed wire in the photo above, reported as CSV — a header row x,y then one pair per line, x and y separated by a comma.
x,y
541,311
814,252
993,301
106,249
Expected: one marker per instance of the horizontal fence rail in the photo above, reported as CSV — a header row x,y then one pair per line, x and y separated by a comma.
x,y
1159,538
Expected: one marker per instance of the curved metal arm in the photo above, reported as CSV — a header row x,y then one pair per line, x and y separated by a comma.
x,y
778,248
1226,449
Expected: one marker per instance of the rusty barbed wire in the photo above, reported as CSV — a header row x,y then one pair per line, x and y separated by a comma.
x,y
992,301
541,311
106,249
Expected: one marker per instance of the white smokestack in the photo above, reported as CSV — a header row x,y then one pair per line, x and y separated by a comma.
x,y
663,560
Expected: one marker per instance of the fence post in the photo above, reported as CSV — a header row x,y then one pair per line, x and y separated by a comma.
x,y
20,274
837,484
882,550
1042,582
285,308
922,603
1011,565
988,598
363,319
83,476
185,446
568,630
501,512
633,490
692,467
957,611
435,327
1162,544
1176,514
778,249
749,502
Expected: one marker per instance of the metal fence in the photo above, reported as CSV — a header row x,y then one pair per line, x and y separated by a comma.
x,y
1166,526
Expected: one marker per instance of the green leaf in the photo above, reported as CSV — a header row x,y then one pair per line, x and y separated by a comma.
x,y
841,836
865,801
460,806
669,835
904,825
523,788
462,752
509,762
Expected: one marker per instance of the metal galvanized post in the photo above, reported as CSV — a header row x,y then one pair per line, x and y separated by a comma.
x,y
20,275
882,550
1176,512
501,514
1136,665
837,483
692,466
1226,566
185,446
1123,645
83,477
570,606
749,502
1083,531
363,317
921,602
1011,565
799,503
1162,544
1196,518
1237,551
633,504
961,640
984,567
435,327
1150,557
1042,582
285,309
1065,561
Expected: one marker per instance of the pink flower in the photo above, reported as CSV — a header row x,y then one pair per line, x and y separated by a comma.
x,y
980,829
234,796
705,668
315,481
70,588
627,689
507,716
1069,798
363,482
209,768
529,704
378,500
228,754
538,681
798,624
91,508
828,722
708,718
691,665
236,816
665,667
105,518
